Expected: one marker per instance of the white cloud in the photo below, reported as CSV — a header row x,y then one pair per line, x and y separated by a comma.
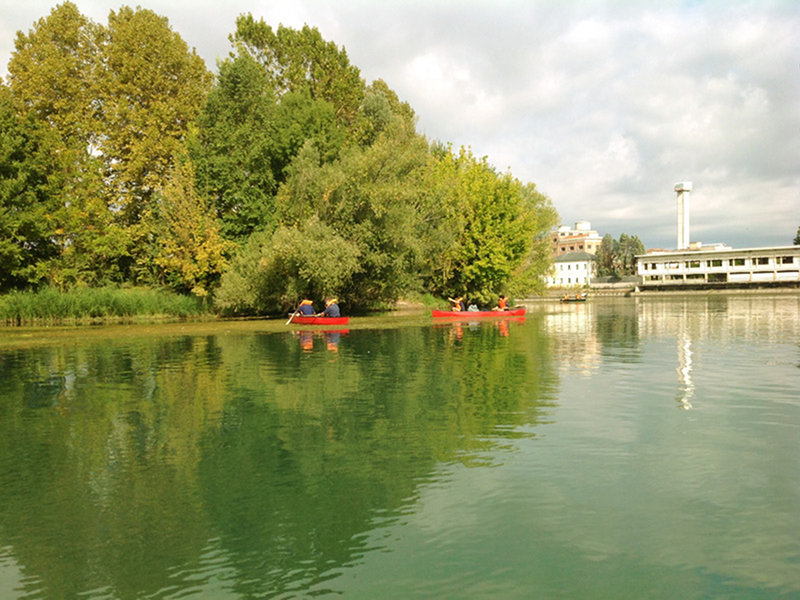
x,y
603,105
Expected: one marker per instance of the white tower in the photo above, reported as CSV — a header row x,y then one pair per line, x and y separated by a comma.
x,y
683,189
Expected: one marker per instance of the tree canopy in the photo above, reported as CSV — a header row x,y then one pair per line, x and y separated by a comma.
x,y
124,160
617,258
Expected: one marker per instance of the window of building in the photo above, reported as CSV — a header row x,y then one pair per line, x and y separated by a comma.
x,y
715,263
761,260
786,260
737,262
672,265
693,264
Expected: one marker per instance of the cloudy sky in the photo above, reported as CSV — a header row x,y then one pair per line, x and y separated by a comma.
x,y
603,105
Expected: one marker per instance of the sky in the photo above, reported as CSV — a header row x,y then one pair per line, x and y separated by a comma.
x,y
604,106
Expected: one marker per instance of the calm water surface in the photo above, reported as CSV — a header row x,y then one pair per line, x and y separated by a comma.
x,y
643,448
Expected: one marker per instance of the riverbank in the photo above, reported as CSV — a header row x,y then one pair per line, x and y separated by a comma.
x,y
634,292
88,306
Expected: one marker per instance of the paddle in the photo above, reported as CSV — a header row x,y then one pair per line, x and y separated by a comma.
x,y
293,314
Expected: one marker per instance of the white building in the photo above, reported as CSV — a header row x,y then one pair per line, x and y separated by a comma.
x,y
720,266
572,269
582,238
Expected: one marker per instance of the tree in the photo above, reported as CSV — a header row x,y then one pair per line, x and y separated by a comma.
x,y
528,277
114,105
190,251
149,88
52,81
494,223
301,60
274,270
629,248
369,197
52,71
617,258
25,200
235,148
796,240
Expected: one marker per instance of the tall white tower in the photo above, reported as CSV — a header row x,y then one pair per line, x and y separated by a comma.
x,y
683,189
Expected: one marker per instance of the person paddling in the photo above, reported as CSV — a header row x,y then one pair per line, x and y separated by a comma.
x,y
457,304
306,308
331,308
502,303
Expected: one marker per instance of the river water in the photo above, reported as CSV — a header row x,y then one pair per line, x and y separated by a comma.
x,y
629,448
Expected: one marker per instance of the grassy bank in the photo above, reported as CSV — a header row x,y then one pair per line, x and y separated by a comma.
x,y
51,306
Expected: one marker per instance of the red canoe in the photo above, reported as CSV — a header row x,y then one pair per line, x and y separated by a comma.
x,y
300,320
466,314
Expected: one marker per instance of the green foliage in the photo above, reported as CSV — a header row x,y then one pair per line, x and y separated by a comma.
x,y
51,305
320,181
52,71
606,256
235,148
369,197
273,272
24,199
301,60
190,250
529,276
495,227
796,240
149,88
617,258
112,106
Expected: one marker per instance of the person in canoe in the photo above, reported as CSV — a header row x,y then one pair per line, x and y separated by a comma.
x,y
331,308
306,308
457,304
502,303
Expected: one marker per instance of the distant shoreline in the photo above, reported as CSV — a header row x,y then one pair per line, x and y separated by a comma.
x,y
630,292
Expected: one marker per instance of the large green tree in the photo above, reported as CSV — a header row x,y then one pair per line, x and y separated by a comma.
x,y
247,138
235,148
26,202
149,87
495,226
617,258
114,105
349,228
52,82
796,240
301,60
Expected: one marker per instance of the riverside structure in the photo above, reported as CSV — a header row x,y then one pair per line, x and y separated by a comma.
x,y
720,266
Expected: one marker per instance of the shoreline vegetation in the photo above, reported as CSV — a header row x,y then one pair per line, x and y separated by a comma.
x,y
284,174
88,306
137,305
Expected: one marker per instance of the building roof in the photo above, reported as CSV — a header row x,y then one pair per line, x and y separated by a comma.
x,y
686,252
575,257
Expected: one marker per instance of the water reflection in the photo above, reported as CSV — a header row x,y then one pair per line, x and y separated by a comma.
x,y
242,465
331,338
613,329
720,319
686,388
456,328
